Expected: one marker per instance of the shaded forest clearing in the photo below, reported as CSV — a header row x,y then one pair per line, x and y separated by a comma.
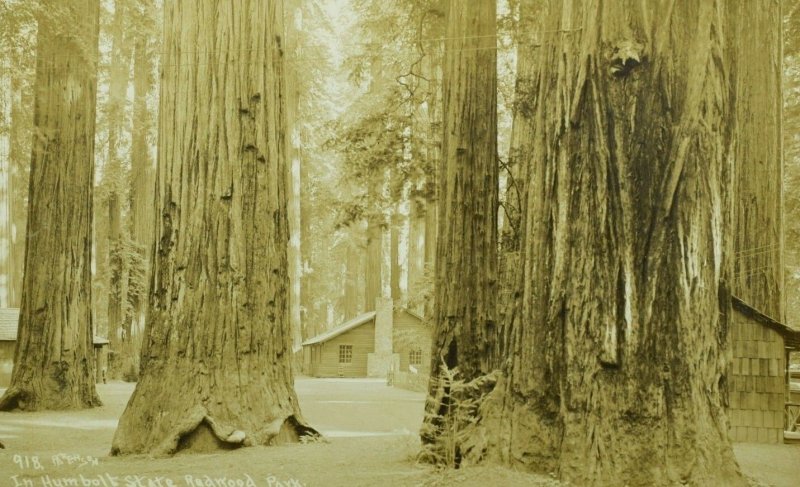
x,y
587,209
371,439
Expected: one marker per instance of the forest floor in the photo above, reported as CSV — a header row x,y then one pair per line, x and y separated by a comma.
x,y
371,440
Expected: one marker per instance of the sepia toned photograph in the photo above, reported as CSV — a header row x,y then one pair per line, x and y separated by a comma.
x,y
342,243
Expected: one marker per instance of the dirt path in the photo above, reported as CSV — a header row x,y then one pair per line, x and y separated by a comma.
x,y
371,432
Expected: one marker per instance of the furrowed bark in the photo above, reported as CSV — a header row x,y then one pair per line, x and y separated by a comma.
x,y
618,372
466,259
54,361
216,362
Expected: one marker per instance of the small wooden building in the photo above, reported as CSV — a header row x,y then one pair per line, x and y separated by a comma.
x,y
342,351
758,388
9,321
373,344
8,342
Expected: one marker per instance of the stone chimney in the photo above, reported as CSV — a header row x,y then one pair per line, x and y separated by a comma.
x,y
383,359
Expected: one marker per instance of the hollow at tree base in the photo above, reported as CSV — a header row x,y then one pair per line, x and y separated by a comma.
x,y
21,398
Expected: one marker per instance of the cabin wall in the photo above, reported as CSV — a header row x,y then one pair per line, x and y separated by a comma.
x,y
411,333
757,388
325,363
6,361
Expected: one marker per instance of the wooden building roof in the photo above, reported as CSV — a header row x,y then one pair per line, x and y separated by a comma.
x,y
344,327
351,324
791,337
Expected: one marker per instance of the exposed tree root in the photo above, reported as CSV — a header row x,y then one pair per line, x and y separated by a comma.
x,y
201,433
14,398
25,399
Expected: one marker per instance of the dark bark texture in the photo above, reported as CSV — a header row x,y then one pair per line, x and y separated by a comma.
x,y
757,193
466,259
618,367
216,360
54,361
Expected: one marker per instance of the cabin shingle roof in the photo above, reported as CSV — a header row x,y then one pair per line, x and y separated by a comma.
x,y
346,326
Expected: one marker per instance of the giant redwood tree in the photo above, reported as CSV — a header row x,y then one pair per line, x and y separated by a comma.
x,y
54,361
466,256
617,369
215,362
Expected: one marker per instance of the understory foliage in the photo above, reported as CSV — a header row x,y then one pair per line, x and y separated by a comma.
x,y
448,434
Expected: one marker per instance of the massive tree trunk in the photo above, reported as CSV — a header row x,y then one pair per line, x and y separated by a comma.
x,y
216,363
757,194
54,361
618,368
791,154
466,259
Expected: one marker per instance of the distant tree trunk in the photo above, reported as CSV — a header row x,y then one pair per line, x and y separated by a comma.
x,y
19,159
373,265
352,262
293,148
113,180
433,149
416,254
528,40
6,190
466,259
306,302
54,361
216,363
757,192
519,160
142,174
115,336
15,157
396,228
627,248
306,283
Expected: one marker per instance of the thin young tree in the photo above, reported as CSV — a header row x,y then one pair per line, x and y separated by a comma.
x,y
54,361
216,360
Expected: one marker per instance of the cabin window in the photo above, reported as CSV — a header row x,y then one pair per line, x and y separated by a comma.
x,y
345,354
415,357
